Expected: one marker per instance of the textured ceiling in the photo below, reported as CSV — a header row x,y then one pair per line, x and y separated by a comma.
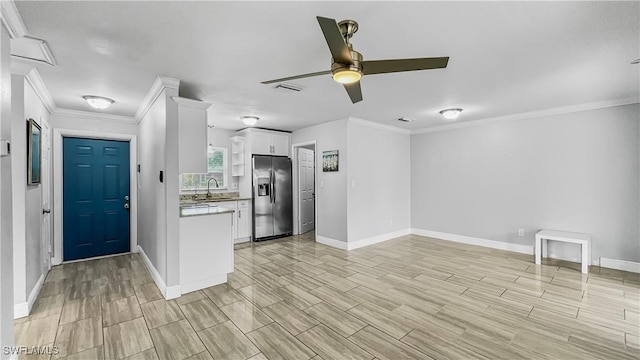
x,y
505,57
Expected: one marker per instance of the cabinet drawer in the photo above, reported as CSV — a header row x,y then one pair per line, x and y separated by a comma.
x,y
243,203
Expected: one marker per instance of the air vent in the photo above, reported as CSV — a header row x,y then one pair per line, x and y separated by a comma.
x,y
405,119
285,86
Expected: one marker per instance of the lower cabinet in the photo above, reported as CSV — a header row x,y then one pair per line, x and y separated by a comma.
x,y
241,219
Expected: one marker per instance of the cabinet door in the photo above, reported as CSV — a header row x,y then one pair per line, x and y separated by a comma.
x,y
261,143
244,219
231,205
280,143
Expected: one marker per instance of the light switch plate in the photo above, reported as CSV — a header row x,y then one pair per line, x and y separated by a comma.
x,y
5,147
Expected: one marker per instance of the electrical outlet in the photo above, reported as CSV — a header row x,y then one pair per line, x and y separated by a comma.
x,y
520,232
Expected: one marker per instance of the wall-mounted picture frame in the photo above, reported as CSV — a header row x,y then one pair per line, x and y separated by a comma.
x,y
34,152
330,161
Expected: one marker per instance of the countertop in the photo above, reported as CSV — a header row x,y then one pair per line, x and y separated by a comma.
x,y
188,210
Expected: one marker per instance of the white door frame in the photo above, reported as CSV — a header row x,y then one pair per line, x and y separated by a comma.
x,y
296,186
47,247
58,134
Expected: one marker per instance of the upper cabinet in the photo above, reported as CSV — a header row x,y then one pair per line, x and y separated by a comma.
x,y
192,137
266,142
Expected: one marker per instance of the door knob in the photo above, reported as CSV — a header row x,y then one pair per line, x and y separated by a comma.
x,y
126,198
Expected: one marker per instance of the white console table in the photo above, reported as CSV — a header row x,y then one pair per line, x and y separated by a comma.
x,y
577,238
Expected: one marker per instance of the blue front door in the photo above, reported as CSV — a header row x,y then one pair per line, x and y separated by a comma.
x,y
95,197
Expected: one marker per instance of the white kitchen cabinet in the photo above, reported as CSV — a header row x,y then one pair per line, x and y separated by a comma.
x,y
237,156
265,142
206,251
192,135
243,223
231,205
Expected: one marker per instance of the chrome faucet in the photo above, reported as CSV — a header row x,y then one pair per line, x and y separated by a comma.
x,y
209,183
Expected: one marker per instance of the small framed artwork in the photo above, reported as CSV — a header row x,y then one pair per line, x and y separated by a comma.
x,y
330,160
34,154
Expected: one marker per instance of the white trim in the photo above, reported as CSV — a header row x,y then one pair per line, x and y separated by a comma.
x,y
34,79
331,242
88,115
351,245
98,257
531,114
158,86
11,19
157,278
57,183
623,265
191,103
501,245
296,181
24,309
375,125
201,284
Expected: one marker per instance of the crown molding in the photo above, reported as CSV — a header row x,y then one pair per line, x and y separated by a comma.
x,y
532,114
88,115
33,78
11,19
374,125
195,104
161,83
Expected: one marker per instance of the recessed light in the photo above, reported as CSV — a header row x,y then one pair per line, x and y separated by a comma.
x,y
451,114
249,120
636,61
405,119
98,102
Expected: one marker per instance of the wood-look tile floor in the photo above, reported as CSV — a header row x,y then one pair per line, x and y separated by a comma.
x,y
408,298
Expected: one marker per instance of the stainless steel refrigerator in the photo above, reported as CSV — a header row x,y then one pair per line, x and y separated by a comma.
x,y
272,197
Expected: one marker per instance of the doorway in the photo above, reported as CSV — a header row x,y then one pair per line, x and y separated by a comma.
x,y
96,199
305,187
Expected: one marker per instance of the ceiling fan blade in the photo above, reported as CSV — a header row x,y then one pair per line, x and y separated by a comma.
x,y
297,77
354,91
398,65
339,49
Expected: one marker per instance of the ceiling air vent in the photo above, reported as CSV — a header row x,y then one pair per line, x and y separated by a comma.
x,y
405,119
286,86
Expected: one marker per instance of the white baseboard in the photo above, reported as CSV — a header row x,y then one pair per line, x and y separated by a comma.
x,y
623,265
331,242
377,239
24,309
169,293
523,249
242,240
197,285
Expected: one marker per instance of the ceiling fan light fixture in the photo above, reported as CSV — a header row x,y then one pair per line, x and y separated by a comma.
x,y
249,120
346,76
451,114
98,102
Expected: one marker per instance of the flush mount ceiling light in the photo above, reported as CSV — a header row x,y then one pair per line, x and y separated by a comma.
x,y
451,114
98,102
249,120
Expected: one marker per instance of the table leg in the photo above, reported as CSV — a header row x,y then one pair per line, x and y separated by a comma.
x,y
585,258
538,245
545,248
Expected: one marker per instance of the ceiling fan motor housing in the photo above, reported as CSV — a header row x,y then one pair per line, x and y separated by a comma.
x,y
356,66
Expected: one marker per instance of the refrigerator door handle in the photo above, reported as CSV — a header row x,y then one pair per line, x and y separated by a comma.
x,y
272,183
273,188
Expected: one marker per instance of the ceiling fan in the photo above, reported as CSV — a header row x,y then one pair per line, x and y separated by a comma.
x,y
348,66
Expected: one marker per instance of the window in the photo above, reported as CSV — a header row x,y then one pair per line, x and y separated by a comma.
x,y
217,169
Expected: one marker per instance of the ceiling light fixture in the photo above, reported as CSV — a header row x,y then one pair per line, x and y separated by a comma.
x,y
98,102
249,120
347,75
451,114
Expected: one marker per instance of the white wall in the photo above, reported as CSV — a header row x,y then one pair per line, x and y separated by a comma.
x,y
29,251
6,245
331,194
152,237
576,172
379,166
